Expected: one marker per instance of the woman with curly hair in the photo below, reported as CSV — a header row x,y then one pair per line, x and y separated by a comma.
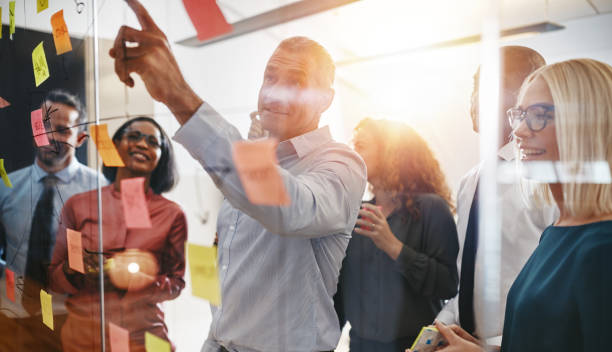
x,y
401,260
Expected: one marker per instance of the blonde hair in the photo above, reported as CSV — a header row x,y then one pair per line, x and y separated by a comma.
x,y
581,90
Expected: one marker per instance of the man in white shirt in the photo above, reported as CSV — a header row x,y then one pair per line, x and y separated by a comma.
x,y
521,226
277,288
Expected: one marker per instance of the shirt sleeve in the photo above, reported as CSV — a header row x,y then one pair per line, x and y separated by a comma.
x,y
433,273
325,200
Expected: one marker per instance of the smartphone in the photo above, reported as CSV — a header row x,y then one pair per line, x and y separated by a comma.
x,y
428,340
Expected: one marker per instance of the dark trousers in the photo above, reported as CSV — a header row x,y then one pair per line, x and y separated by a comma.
x,y
30,334
358,344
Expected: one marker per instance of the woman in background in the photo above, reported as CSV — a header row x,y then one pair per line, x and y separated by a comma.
x,y
401,259
561,299
146,152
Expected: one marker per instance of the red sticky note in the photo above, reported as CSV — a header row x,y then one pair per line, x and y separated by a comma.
x,y
207,18
75,250
38,128
60,33
134,203
4,103
119,338
257,168
10,284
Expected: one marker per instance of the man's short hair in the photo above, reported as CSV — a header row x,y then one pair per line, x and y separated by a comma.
x,y
322,58
517,63
60,96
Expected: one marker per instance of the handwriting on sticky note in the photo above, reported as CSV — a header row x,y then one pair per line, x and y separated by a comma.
x,y
4,175
75,250
41,5
257,168
10,284
11,18
38,128
39,63
46,309
156,344
134,203
106,147
3,102
207,18
60,33
119,338
204,274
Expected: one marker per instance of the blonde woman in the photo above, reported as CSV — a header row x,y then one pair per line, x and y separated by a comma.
x,y
561,300
401,259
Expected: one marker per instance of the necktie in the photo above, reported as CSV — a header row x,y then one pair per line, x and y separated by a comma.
x,y
468,264
39,247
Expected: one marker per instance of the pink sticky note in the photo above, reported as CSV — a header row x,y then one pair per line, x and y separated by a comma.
x,y
119,338
4,103
75,250
134,203
257,168
207,18
10,284
38,128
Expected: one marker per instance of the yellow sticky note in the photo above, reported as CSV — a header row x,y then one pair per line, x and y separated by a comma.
x,y
156,344
4,175
39,62
11,18
204,273
46,308
41,5
60,33
106,147
0,22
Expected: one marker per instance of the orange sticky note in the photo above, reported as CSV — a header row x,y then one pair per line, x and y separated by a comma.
x,y
204,273
207,18
41,5
134,203
3,103
38,128
60,33
39,63
106,147
119,338
10,284
257,168
4,175
75,250
156,344
46,309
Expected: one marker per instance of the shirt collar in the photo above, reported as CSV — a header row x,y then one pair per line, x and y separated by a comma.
x,y
64,175
303,144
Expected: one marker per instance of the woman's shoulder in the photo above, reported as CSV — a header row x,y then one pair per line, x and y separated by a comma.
x,y
430,201
168,205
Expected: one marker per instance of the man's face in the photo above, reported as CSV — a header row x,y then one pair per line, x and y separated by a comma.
x,y
291,98
63,138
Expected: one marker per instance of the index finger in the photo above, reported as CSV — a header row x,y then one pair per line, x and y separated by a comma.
x,y
145,20
448,334
374,209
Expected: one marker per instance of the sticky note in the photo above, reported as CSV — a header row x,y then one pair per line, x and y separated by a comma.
x,y
75,250
134,203
46,308
4,175
119,338
204,274
3,103
39,62
38,128
256,164
60,33
41,5
11,18
10,284
207,18
0,22
106,147
156,344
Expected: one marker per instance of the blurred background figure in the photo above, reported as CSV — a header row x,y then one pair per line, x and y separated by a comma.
x,y
401,260
28,224
159,251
